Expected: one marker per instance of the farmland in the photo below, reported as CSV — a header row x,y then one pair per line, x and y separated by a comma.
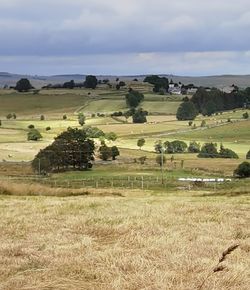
x,y
123,224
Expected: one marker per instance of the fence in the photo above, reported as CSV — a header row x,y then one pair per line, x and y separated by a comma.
x,y
128,182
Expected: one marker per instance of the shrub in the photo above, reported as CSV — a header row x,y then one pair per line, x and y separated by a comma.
x,y
64,117
208,150
42,118
48,128
34,135
114,152
228,153
243,170
245,115
140,142
194,147
9,116
105,152
31,126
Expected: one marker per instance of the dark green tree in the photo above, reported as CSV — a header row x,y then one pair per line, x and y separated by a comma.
x,y
194,147
23,85
243,170
139,116
90,82
34,135
141,142
134,98
69,85
114,152
186,111
105,152
209,150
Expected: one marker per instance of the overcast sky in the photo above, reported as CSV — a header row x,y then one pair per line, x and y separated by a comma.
x,y
125,37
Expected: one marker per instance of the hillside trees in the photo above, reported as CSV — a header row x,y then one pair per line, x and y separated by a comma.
x,y
134,98
160,83
72,148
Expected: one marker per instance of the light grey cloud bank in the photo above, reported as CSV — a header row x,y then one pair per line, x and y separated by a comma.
x,y
125,37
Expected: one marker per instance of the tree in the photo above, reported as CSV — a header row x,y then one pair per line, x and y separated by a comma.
x,y
105,152
94,132
111,136
9,116
23,85
158,82
114,152
140,142
71,148
90,82
69,85
227,153
31,126
245,115
14,116
194,147
34,135
139,116
48,128
243,170
81,119
209,150
175,146
133,98
158,146
248,155
186,111
64,117
42,117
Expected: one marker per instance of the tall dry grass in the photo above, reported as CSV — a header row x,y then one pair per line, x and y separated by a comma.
x,y
35,189
109,243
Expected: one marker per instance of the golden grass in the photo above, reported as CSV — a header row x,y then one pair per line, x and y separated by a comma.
x,y
154,242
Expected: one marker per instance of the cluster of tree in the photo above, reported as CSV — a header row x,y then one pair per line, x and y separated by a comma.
x,y
108,152
209,150
90,82
120,84
160,83
210,102
71,149
175,146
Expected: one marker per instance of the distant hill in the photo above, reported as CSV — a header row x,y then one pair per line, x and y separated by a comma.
x,y
207,81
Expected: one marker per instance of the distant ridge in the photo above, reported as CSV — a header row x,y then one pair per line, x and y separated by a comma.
x,y
218,81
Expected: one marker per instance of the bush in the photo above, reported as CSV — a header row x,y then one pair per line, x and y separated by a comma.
x,y
194,147
203,123
111,136
228,153
48,128
245,115
94,132
105,152
208,150
42,118
64,117
31,126
243,170
9,116
175,146
34,135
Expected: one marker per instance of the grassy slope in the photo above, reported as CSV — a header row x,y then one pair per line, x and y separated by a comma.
x,y
163,242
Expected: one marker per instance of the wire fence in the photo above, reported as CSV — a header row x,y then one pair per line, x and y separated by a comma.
x,y
125,182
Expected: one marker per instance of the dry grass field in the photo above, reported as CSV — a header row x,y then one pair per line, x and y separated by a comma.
x,y
138,241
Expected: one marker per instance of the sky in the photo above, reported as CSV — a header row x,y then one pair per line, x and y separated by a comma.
x,y
125,37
